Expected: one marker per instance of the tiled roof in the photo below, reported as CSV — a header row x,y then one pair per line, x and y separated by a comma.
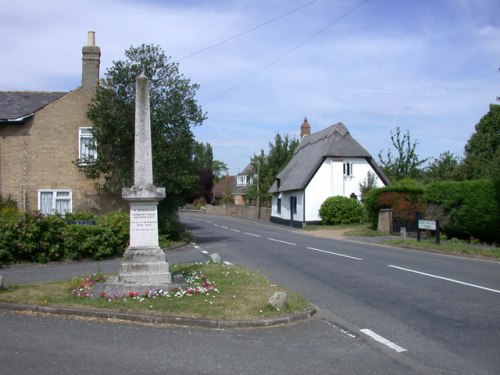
x,y
17,105
334,141
220,188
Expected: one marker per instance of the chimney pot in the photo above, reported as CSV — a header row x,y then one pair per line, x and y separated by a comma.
x,y
305,129
91,39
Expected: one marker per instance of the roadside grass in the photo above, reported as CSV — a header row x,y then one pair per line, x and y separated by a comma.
x,y
350,230
447,247
242,295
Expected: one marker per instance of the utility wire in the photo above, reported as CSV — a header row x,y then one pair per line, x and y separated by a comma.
x,y
247,31
290,51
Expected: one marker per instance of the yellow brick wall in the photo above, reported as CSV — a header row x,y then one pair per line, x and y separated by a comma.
x,y
53,146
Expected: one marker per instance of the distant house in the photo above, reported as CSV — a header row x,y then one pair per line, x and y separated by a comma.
x,y
327,163
241,184
41,135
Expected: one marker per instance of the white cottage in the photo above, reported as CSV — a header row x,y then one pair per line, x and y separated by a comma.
x,y
325,164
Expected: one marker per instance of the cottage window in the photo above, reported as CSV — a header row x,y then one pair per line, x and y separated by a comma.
x,y
348,169
52,201
278,209
87,151
293,205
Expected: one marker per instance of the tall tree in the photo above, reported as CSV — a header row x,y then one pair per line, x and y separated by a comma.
x,y
208,170
442,168
174,111
267,167
482,151
406,163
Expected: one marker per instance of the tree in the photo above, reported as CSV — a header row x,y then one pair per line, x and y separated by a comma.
x,y
267,167
406,163
370,182
207,169
174,111
442,168
482,151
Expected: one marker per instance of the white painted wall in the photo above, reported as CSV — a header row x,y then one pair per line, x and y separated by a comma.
x,y
285,205
330,181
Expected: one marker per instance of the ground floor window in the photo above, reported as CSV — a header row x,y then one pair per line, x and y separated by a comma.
x,y
52,201
278,209
293,205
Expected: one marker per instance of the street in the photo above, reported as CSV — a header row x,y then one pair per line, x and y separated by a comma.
x,y
381,311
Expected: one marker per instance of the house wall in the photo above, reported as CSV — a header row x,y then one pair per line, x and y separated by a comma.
x,y
13,161
54,146
285,216
330,181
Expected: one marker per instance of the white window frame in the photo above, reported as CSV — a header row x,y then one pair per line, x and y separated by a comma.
x,y
348,170
85,133
55,200
241,180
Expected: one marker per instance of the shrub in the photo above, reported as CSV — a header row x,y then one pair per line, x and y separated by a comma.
x,y
469,209
405,200
341,210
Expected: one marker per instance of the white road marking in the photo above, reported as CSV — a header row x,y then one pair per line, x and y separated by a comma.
x,y
383,340
227,263
196,247
445,278
236,230
217,225
204,252
222,226
251,234
208,221
275,240
332,253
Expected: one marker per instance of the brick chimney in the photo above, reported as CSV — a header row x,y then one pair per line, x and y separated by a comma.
x,y
305,129
91,55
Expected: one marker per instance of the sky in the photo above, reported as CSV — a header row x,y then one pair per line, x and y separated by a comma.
x,y
429,67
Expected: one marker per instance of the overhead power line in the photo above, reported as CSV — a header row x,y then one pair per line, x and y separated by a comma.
x,y
247,31
291,50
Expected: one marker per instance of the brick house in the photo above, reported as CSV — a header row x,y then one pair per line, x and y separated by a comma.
x,y
41,135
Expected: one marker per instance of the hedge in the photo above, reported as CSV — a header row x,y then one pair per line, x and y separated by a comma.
x,y
34,237
341,210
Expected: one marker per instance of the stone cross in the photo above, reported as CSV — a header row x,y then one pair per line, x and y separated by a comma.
x,y
144,265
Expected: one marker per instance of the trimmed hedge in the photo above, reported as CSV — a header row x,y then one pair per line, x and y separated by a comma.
x,y
466,209
470,209
341,210
33,237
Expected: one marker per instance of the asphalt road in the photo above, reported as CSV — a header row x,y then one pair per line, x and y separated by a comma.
x,y
442,320
443,311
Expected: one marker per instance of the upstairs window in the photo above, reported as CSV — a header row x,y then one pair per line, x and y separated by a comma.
x,y
348,169
241,180
52,201
87,152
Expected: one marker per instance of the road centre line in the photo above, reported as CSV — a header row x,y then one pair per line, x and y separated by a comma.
x,y
236,230
332,253
383,340
217,225
222,226
275,240
445,278
251,234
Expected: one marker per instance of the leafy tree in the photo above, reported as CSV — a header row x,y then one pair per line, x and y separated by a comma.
x,y
443,168
174,111
406,163
482,151
207,169
368,183
267,167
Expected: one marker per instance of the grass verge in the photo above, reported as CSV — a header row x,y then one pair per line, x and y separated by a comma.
x,y
447,247
242,295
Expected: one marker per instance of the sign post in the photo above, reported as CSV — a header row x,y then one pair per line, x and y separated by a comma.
x,y
429,225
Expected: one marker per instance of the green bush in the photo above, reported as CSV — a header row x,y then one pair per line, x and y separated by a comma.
x,y
341,210
470,209
34,237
